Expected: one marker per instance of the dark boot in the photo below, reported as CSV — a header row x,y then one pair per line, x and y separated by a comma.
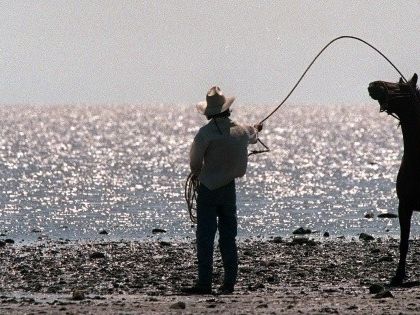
x,y
226,289
197,290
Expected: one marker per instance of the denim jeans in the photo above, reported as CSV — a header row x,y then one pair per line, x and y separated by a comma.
x,y
216,209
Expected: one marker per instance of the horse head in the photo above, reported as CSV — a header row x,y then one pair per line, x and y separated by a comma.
x,y
395,98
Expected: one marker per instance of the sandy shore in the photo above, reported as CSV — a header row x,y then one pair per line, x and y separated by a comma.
x,y
286,276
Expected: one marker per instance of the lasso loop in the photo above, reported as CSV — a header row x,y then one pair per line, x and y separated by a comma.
x,y
319,54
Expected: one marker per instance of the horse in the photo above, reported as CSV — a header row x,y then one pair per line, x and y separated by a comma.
x,y
402,101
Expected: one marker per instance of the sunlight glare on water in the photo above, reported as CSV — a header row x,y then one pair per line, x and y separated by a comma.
x,y
71,171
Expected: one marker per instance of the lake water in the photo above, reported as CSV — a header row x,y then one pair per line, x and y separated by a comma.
x,y
71,171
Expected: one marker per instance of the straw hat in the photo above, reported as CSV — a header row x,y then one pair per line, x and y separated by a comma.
x,y
215,102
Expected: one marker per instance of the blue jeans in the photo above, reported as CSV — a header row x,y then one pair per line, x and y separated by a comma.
x,y
216,209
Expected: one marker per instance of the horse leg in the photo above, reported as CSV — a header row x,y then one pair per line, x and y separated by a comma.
x,y
404,216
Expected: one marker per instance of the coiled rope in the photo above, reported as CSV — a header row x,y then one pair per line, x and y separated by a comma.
x,y
191,184
190,191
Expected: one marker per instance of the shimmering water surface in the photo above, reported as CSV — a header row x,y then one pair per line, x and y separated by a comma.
x,y
71,171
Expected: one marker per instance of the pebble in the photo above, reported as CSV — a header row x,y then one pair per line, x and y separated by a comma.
x,y
388,215
301,231
366,237
155,231
9,241
97,255
369,215
386,259
103,232
277,240
178,306
303,240
326,234
78,295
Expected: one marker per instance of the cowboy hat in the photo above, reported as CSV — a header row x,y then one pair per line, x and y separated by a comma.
x,y
215,102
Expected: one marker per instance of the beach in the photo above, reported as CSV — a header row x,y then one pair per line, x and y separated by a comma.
x,y
276,276
80,204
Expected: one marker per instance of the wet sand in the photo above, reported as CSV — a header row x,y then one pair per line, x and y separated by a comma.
x,y
275,277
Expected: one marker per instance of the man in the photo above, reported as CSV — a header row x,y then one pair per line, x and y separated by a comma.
x,y
218,155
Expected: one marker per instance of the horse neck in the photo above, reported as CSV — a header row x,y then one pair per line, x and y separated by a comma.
x,y
410,126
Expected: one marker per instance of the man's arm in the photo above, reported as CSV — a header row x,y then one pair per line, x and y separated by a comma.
x,y
197,151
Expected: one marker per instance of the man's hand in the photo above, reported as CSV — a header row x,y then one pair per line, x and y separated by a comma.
x,y
259,127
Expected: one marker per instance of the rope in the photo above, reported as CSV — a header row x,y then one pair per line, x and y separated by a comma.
x,y
191,184
266,148
190,191
316,57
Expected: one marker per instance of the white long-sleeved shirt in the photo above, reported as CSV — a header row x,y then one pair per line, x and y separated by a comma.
x,y
218,158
